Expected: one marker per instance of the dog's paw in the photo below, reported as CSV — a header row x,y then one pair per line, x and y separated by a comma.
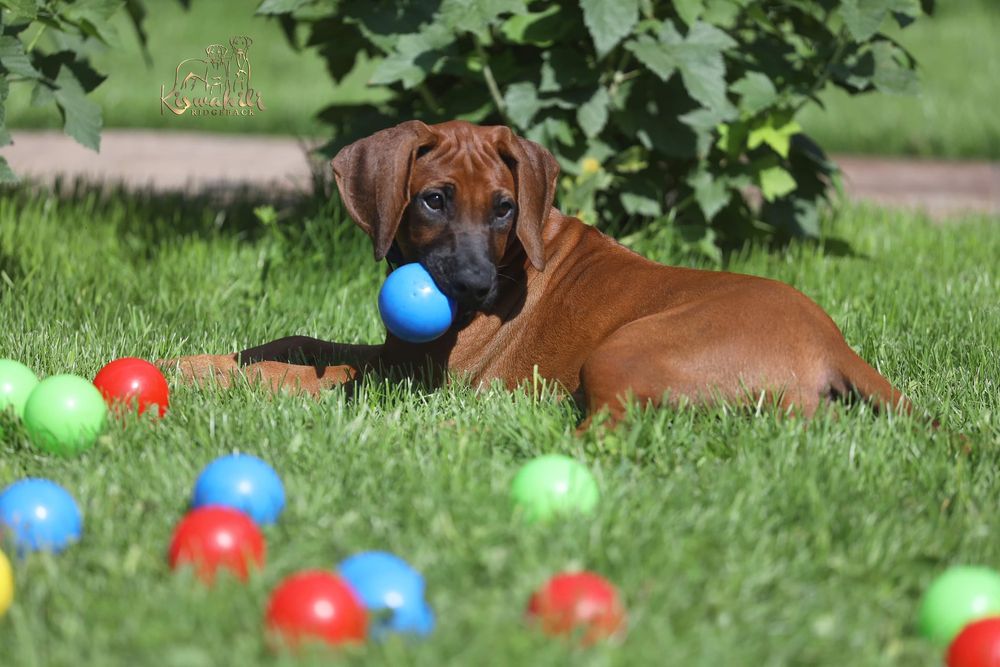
x,y
200,368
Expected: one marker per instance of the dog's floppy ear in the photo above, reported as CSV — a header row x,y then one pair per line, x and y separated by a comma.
x,y
535,171
373,175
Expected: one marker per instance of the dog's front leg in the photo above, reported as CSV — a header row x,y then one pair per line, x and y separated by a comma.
x,y
295,363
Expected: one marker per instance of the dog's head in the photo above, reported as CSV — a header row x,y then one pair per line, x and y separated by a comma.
x,y
216,53
453,197
240,43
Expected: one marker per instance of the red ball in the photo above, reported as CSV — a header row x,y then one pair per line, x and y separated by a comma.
x,y
217,537
977,645
129,379
584,601
316,604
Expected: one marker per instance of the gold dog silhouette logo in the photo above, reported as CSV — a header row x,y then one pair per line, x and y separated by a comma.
x,y
218,85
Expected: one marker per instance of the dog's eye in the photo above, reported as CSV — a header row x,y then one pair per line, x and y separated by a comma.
x,y
434,201
503,209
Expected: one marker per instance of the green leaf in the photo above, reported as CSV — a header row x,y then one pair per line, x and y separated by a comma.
x,y
538,28
94,17
795,216
863,18
522,103
562,68
711,192
14,59
41,95
593,114
640,196
27,9
6,174
776,133
81,116
775,182
689,10
704,123
698,57
273,7
700,239
415,56
476,16
894,71
609,21
756,92
653,55
732,137
551,131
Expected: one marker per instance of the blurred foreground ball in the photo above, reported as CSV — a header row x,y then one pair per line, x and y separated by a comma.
x,y
554,484
133,384
578,602
315,605
214,538
391,590
960,595
65,414
6,584
16,383
977,645
242,482
41,515
412,307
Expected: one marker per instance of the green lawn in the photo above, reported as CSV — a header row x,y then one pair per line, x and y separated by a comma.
x,y
736,540
953,116
958,50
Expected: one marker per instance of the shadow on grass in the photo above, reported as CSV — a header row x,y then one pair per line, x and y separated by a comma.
x,y
159,216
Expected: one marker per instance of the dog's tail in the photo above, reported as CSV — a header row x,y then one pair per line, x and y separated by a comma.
x,y
861,380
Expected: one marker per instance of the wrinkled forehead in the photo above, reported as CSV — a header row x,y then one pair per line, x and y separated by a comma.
x,y
465,156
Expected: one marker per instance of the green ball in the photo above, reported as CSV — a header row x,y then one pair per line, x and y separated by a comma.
x,y
16,383
552,485
960,595
65,414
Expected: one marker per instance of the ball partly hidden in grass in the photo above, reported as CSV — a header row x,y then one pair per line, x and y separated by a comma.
x,y
40,515
977,645
217,538
315,605
6,584
391,590
65,414
133,384
553,485
242,482
16,383
957,597
578,602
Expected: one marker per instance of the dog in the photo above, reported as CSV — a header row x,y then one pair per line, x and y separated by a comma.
x,y
541,293
240,71
210,73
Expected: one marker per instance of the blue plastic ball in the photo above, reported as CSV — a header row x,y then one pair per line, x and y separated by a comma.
x,y
392,591
41,515
412,307
243,482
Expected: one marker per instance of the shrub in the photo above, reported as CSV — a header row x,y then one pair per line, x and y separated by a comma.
x,y
63,75
658,112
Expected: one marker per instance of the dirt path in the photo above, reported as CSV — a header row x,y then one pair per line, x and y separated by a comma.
x,y
197,161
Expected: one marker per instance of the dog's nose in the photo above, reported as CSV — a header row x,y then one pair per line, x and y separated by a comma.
x,y
473,284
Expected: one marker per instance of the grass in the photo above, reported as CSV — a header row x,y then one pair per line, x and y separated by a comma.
x,y
735,539
957,49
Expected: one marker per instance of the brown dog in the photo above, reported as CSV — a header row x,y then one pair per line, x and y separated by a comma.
x,y
538,289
